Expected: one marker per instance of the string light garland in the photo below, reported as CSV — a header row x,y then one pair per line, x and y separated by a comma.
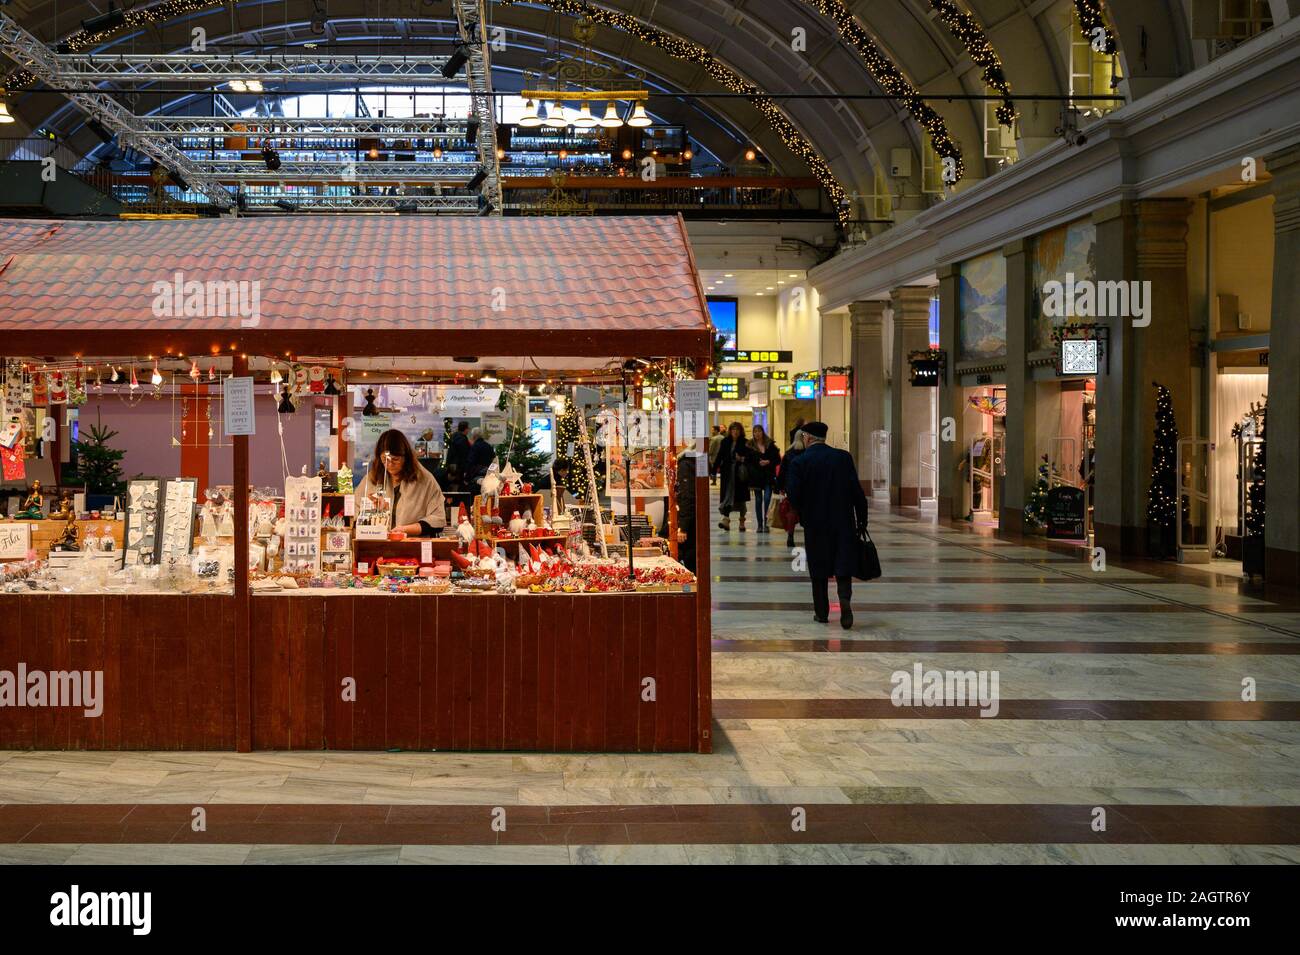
x,y
967,30
892,81
1163,492
692,52
1091,19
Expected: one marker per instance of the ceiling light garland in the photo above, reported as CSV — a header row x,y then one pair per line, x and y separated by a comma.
x,y
694,53
891,79
967,29
1091,19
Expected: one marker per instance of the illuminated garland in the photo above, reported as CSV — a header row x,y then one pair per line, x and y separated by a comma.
x,y
891,80
1091,19
966,29
692,52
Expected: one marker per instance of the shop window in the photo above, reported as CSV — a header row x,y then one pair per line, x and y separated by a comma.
x,y
1092,73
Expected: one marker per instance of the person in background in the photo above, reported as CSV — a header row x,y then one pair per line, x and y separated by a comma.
x,y
686,465
791,517
418,509
733,455
799,423
458,452
823,487
715,442
481,456
767,461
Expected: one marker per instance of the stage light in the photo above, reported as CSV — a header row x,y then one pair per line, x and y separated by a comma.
x,y
458,59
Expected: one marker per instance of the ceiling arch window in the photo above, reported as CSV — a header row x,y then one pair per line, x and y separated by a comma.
x,y
1094,72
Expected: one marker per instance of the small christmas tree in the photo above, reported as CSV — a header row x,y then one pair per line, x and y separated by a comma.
x,y
520,448
1255,494
566,430
99,465
1036,506
1163,493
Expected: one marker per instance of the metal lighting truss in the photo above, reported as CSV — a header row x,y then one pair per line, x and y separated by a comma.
x,y
215,68
472,25
296,127
33,55
248,170
453,205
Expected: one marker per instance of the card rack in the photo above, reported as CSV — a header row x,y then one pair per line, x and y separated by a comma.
x,y
144,505
302,520
178,499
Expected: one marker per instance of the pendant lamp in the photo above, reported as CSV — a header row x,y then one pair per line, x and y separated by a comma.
x,y
611,119
638,118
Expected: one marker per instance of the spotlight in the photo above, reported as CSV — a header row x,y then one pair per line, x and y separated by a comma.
x,y
477,180
286,205
180,182
471,132
271,158
458,59
408,205
485,207
111,20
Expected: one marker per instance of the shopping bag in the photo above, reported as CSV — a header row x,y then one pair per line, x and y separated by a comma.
x,y
789,517
774,511
868,563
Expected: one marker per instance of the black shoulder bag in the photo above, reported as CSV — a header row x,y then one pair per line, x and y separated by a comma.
x,y
868,563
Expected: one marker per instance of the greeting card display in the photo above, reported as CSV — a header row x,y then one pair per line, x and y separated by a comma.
x,y
177,536
302,512
143,508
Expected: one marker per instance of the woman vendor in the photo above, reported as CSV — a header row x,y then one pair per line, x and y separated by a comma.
x,y
418,509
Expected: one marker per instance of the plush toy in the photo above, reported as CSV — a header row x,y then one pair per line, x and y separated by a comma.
x,y
517,524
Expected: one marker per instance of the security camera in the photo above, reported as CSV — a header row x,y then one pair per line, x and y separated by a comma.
x,y
1069,128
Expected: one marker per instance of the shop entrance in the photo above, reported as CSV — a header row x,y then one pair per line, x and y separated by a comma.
x,y
985,459
1065,446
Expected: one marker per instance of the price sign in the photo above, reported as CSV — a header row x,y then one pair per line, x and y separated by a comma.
x,y
237,406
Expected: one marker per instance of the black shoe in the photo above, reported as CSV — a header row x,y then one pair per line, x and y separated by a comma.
x,y
846,619
789,540
817,619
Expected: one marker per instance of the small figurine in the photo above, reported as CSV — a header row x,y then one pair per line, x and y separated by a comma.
x,y
530,529
68,539
65,510
370,410
465,530
345,479
517,524
33,504
286,404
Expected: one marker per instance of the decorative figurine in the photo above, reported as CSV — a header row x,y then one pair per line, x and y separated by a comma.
x,y
516,525
33,504
370,410
286,404
331,387
65,511
68,539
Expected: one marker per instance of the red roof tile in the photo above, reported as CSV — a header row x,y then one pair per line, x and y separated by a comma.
x,y
383,272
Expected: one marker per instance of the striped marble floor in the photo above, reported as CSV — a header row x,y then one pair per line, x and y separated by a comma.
x,y
1119,690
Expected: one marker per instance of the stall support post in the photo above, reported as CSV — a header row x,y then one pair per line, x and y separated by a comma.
x,y
671,471
243,648
703,602
627,473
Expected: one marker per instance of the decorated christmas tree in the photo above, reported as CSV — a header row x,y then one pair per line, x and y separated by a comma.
x,y
1036,505
1255,494
520,449
1162,496
566,430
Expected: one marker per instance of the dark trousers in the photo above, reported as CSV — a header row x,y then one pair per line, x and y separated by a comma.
x,y
686,549
821,594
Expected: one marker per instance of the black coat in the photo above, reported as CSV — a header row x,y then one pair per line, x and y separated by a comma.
x,y
726,457
823,486
764,476
481,456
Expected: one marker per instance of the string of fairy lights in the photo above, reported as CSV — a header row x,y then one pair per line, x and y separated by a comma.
x,y
967,30
1092,19
691,52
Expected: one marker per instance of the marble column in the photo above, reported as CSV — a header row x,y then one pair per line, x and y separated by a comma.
x,y
1282,513
909,407
952,439
1021,426
868,411
1143,241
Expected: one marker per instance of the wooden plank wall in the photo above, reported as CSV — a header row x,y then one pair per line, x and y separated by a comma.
x,y
168,664
551,674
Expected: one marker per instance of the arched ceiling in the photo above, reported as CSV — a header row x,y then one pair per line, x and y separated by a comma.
x,y
750,37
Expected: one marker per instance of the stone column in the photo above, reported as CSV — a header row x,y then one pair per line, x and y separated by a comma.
x,y
1282,514
910,407
1021,420
868,411
952,489
1143,241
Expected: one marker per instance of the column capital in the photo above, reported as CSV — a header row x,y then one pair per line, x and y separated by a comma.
x,y
867,316
1284,167
911,304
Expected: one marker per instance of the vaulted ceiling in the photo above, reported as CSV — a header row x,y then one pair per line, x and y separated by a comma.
x,y
751,40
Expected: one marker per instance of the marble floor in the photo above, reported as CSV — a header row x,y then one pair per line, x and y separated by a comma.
x,y
1120,697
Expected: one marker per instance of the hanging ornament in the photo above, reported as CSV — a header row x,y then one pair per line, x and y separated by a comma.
x,y
194,371
135,383
370,410
156,377
276,377
286,405
115,377
331,387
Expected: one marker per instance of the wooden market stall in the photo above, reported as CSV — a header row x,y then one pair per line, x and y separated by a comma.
x,y
552,672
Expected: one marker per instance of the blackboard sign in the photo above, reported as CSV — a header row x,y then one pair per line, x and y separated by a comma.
x,y
925,373
1066,508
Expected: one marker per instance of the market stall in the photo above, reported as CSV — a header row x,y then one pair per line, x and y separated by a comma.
x,y
295,617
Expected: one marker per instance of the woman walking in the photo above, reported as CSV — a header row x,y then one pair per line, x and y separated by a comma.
x,y
788,516
733,466
767,460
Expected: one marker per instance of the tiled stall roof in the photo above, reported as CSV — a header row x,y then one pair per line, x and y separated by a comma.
x,y
373,272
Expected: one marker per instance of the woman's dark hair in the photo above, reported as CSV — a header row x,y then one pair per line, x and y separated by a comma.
x,y
763,431
393,442
737,426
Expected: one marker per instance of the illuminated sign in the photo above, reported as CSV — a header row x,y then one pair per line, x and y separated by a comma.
x,y
772,375
785,389
836,386
720,387
1079,356
757,357
806,389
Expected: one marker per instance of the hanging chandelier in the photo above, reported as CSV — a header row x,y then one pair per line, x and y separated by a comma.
x,y
582,79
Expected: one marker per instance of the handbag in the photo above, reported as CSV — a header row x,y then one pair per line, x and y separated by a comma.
x,y
868,562
789,518
742,472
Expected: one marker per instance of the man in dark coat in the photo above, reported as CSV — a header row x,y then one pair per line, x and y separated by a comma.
x,y
822,485
458,451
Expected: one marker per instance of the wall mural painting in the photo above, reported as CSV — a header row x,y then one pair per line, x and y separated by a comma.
x,y
1066,250
983,300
